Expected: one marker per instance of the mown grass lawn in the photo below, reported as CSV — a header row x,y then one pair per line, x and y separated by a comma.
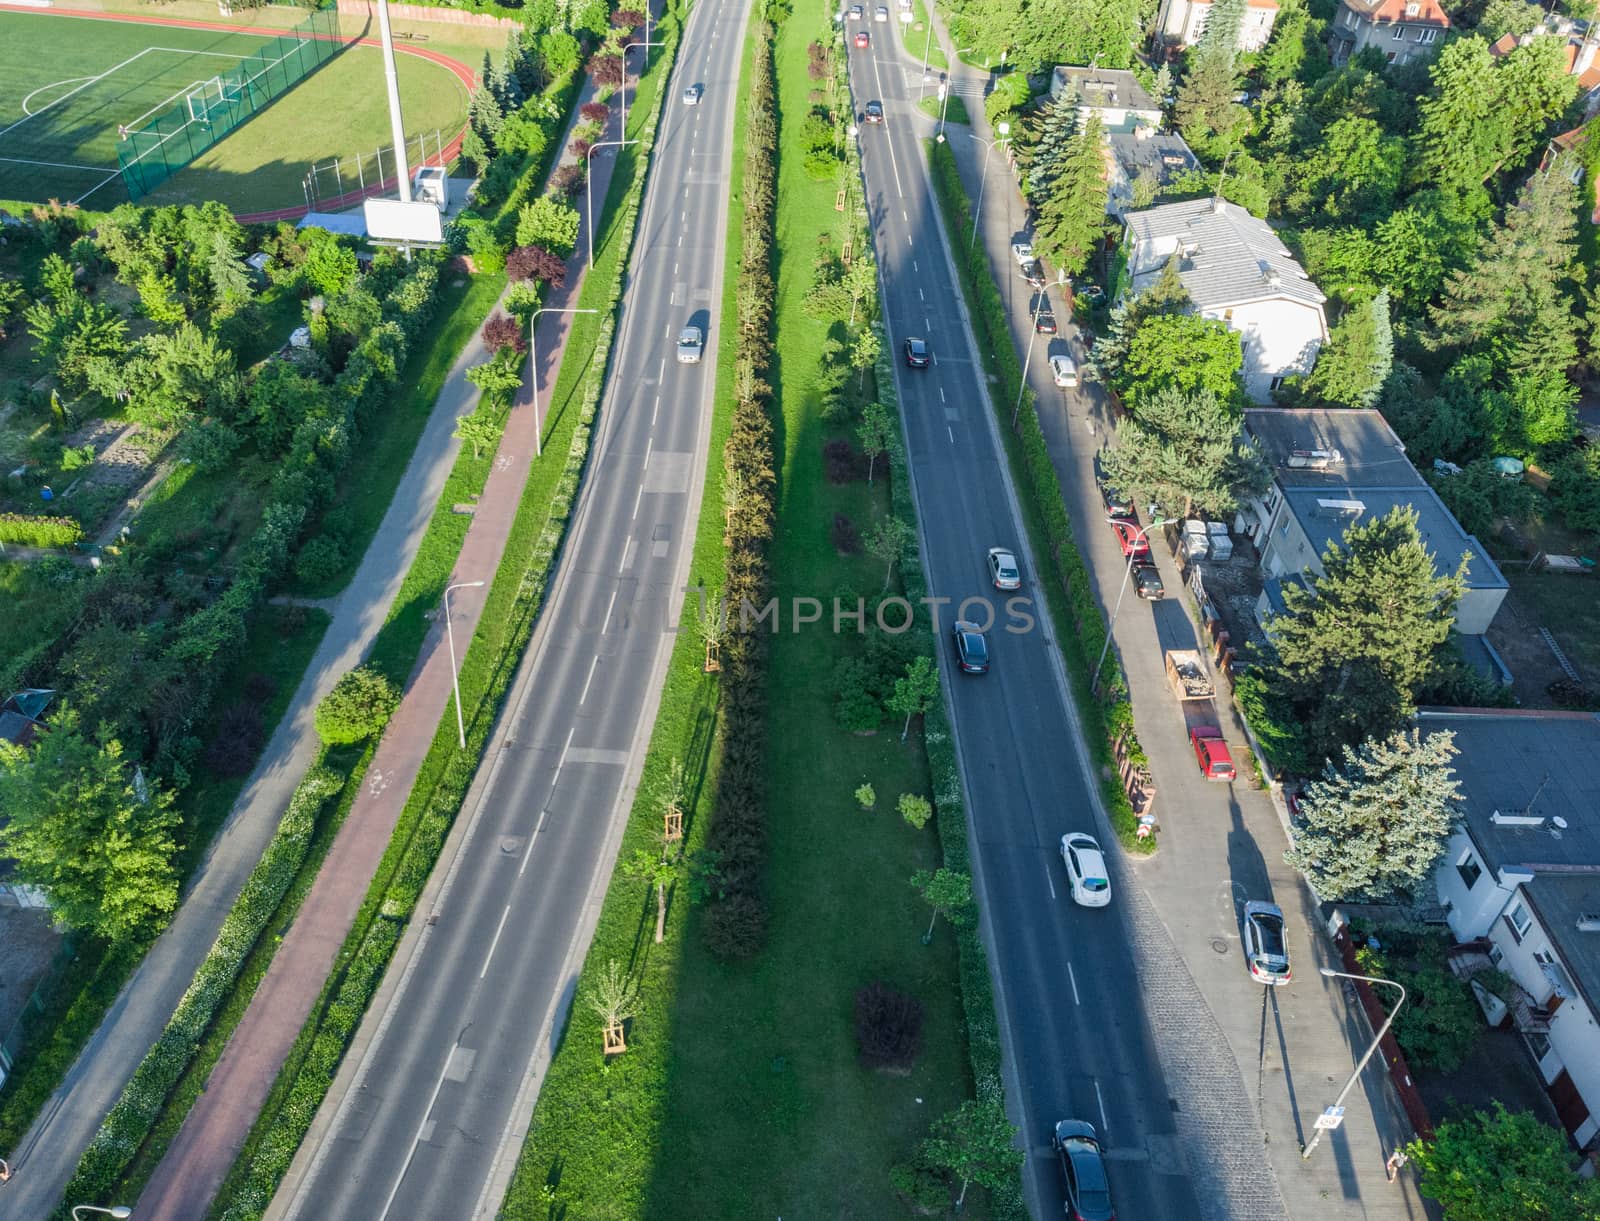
x,y
768,1113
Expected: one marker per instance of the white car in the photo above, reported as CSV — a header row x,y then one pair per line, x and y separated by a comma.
x,y
880,13
1062,371
856,12
691,95
1022,252
690,341
1086,870
1003,569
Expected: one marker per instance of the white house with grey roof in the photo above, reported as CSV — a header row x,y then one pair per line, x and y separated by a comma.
x,y
1236,270
1520,883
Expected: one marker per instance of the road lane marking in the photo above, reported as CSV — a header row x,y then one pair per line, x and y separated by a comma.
x,y
562,758
590,679
1048,880
920,297
914,266
655,411
908,240
527,854
648,442
905,216
662,371
627,555
499,928
421,1128
1105,1123
1073,980
610,606
941,394
952,434
637,497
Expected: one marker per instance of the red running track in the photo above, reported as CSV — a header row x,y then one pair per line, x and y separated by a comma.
x,y
461,72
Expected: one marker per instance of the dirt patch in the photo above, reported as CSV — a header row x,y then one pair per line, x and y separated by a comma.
x,y
1499,1068
27,944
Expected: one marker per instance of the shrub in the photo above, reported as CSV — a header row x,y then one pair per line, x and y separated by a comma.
x,y
820,163
236,741
259,687
321,559
915,810
606,69
503,331
568,180
358,707
846,539
211,445
888,1027
924,1188
75,458
736,928
28,531
536,263
843,463
856,706
595,112
580,147
867,796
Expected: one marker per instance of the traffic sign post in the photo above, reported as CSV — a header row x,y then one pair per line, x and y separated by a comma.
x,y
1330,1119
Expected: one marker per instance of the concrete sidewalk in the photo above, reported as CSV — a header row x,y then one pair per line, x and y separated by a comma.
x,y
1220,845
47,1157
215,1129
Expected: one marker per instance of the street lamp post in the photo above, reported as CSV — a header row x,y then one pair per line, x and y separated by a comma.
x,y
988,147
1316,1137
120,1211
533,355
623,89
927,51
455,675
588,183
1122,589
1040,301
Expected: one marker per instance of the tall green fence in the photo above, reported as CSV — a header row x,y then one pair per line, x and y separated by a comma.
x,y
208,111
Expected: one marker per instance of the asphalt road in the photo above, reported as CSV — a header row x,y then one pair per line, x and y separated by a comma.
x,y
432,1121
1091,1001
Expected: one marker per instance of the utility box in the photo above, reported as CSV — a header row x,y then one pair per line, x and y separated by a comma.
x,y
431,185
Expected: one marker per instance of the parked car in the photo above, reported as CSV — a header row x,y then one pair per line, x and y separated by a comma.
x,y
1264,946
1211,750
863,39
1022,252
1083,1171
1117,505
972,649
1062,371
1089,291
690,342
1086,870
917,354
1147,582
1044,322
856,12
1003,569
1033,273
1133,543
874,112
691,95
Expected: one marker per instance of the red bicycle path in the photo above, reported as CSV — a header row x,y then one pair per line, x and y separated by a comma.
x,y
214,1131
460,71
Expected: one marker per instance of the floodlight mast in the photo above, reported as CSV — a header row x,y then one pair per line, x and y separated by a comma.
x,y
391,81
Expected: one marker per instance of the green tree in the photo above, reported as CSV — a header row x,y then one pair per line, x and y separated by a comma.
x,y
1043,160
1514,17
330,266
1184,351
1210,120
659,870
1072,215
977,1144
479,429
1185,449
1348,657
1220,38
549,223
1352,368
949,893
1009,95
887,542
498,377
90,831
864,352
1502,1165
1353,171
1374,826
916,692
11,298
230,279
875,432
357,708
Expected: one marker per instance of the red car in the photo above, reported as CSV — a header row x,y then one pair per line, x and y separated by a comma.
x,y
1216,762
1133,542
863,39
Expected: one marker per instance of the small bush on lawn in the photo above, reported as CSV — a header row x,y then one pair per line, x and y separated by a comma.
x,y
846,538
844,464
319,560
594,112
27,531
233,749
736,928
857,706
867,796
915,810
924,1188
358,707
888,1027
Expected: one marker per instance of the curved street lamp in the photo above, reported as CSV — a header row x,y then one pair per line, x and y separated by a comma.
x,y
588,182
1121,590
1376,1039
988,147
533,354
120,1211
455,674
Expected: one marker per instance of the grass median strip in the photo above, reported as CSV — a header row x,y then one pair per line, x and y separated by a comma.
x,y
1080,626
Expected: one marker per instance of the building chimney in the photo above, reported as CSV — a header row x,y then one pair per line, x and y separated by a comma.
x,y
1588,922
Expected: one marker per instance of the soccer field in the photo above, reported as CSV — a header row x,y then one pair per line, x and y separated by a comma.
x,y
67,84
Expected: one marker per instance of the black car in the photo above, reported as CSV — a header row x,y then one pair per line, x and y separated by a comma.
x,y
874,112
1092,293
972,650
1147,583
1045,323
1033,273
1117,505
916,350
1084,1171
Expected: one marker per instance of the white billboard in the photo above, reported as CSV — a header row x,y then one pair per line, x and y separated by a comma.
x,y
392,220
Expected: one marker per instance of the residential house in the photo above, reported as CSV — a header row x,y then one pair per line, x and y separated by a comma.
x,y
1520,881
1582,40
1570,144
1404,30
1236,270
20,715
1132,122
1334,468
1179,24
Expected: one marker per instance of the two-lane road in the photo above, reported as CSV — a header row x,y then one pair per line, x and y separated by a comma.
x,y
433,1122
1091,1002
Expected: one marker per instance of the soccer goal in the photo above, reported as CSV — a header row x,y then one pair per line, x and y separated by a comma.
x,y
208,97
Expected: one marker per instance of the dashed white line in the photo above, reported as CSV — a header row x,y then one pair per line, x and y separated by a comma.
x,y
499,928
627,555
1073,979
951,431
1048,880
914,266
941,394
637,497
610,606
592,664
920,295
908,240
662,371
527,853
648,443
417,1139
1105,1122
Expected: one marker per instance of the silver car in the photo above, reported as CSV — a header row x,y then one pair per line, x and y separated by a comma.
x,y
1265,949
690,342
691,95
1003,569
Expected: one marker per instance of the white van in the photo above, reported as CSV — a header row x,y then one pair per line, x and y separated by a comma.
x,y
1063,371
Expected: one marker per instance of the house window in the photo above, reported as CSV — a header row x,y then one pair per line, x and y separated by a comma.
x,y
1519,921
1469,869
1389,58
1426,36
1399,33
1538,1044
1277,383
1413,9
1496,954
1350,18
1227,315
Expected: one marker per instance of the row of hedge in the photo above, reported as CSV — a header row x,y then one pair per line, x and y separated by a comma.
x,y
1107,712
734,926
25,530
129,1121
430,810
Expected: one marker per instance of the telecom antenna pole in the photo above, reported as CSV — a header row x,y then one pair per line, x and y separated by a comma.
x,y
391,81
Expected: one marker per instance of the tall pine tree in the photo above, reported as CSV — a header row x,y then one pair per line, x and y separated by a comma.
x,y
1352,368
1072,216
1044,161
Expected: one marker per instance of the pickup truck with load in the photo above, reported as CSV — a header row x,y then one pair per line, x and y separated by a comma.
x,y
1191,682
